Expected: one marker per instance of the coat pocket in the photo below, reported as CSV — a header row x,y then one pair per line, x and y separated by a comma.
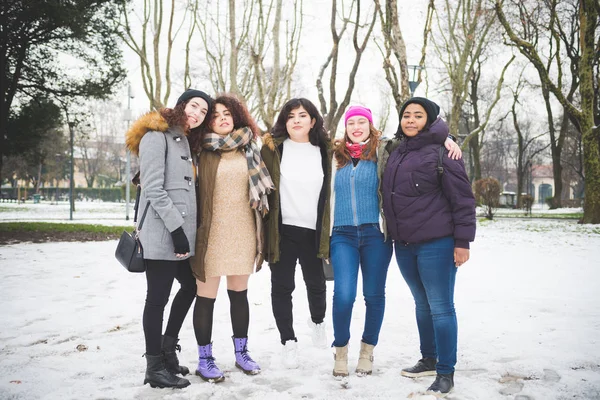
x,y
423,182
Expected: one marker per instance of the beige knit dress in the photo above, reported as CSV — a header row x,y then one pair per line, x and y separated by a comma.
x,y
232,239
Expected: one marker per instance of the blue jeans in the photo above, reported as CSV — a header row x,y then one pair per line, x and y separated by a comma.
x,y
352,246
428,269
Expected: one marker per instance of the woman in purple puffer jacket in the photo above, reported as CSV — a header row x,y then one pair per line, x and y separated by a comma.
x,y
430,214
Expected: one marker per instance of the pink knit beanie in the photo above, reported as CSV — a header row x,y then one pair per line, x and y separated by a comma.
x,y
358,110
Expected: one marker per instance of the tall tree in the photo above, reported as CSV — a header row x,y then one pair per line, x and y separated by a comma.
x,y
333,109
254,54
462,37
34,139
477,119
35,36
527,145
539,25
147,35
396,67
583,117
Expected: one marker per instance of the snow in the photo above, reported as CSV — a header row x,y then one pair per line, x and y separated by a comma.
x,y
527,304
86,212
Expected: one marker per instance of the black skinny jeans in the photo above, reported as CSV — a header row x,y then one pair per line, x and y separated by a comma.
x,y
297,244
159,277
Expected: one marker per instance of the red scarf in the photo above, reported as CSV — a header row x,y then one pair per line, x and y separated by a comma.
x,y
355,149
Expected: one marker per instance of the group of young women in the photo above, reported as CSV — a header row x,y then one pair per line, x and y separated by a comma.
x,y
219,204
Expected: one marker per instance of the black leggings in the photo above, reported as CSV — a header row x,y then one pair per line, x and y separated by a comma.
x,y
159,277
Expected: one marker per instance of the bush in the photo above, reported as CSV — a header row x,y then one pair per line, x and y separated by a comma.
x,y
527,203
487,192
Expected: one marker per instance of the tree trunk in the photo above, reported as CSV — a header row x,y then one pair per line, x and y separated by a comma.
x,y
590,133
474,143
475,157
556,150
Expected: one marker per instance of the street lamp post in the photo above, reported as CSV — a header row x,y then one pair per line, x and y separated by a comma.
x,y
128,163
413,82
71,171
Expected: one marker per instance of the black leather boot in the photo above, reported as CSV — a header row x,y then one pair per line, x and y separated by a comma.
x,y
442,385
169,346
158,376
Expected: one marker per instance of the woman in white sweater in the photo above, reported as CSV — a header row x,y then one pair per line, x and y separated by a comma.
x,y
297,154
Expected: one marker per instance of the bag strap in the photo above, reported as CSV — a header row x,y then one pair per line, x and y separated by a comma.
x,y
138,191
440,166
139,227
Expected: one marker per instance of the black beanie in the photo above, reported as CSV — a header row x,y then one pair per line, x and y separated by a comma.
x,y
432,110
191,93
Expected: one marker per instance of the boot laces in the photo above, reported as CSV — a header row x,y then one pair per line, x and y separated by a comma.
x,y
246,356
178,347
210,362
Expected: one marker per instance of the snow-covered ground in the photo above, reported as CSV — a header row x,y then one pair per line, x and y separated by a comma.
x,y
86,212
107,213
528,306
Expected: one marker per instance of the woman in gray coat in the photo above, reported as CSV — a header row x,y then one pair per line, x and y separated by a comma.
x,y
167,177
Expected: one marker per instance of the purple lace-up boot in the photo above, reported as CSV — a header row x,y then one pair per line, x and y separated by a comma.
x,y
242,359
207,369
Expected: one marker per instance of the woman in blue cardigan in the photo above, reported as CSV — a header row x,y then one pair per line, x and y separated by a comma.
x,y
357,240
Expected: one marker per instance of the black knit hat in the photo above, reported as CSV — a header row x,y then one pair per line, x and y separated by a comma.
x,y
191,93
432,110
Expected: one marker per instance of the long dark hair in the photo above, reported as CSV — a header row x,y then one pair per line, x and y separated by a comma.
x,y
176,117
239,112
317,134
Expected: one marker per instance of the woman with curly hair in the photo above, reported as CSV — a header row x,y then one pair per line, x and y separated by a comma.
x,y
233,184
168,206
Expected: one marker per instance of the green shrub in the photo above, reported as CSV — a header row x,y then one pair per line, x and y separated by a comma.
x,y
487,191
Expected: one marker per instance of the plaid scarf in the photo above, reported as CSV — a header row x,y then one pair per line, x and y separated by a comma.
x,y
258,175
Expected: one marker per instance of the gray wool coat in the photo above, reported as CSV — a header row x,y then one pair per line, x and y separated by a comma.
x,y
170,190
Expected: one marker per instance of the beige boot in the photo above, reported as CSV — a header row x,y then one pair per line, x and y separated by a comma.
x,y
340,367
365,359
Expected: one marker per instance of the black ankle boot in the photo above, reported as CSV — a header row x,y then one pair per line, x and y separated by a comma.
x,y
169,346
158,376
442,385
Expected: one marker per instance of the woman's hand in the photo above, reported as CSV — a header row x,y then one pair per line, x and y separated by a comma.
x,y
180,243
454,151
461,256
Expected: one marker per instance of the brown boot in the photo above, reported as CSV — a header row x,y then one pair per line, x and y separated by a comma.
x,y
365,359
340,367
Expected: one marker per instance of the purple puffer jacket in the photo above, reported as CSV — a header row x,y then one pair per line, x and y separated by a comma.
x,y
418,204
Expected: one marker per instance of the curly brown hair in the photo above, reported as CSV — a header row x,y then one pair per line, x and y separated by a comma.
x,y
342,154
239,113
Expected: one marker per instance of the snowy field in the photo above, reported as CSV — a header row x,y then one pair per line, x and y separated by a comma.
x,y
86,212
528,305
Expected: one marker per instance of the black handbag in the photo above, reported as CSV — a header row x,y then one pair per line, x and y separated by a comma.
x,y
129,250
328,269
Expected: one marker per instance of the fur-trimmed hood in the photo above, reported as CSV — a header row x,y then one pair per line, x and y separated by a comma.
x,y
151,121
271,142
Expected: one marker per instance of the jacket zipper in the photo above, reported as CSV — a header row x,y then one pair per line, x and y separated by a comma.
x,y
353,196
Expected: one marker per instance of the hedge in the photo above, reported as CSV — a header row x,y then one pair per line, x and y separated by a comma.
x,y
114,194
